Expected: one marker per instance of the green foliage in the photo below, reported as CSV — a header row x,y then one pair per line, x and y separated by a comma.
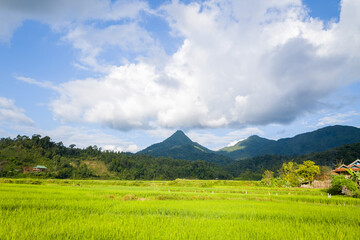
x,y
268,178
338,182
257,164
288,173
291,174
327,159
249,175
63,162
356,194
345,154
354,176
307,171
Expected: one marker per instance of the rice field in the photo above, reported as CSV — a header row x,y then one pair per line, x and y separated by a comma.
x,y
180,209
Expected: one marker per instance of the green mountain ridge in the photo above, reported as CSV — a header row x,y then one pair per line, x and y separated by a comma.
x,y
179,146
22,152
316,141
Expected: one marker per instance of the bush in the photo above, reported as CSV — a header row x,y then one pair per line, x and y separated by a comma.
x,y
337,185
357,194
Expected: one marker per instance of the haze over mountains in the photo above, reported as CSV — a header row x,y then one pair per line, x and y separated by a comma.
x,y
179,146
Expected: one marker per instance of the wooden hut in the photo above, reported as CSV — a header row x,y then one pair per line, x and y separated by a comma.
x,y
39,168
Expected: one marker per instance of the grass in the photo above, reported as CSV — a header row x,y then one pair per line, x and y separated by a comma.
x,y
180,209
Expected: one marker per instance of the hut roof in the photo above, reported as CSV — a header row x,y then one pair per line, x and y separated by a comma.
x,y
355,166
40,167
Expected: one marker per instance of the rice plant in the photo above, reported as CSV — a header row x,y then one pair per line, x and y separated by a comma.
x,y
65,209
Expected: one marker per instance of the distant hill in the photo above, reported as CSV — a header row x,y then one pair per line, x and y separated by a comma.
x,y
316,141
248,148
180,146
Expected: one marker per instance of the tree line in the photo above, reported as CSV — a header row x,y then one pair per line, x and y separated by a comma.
x,y
72,162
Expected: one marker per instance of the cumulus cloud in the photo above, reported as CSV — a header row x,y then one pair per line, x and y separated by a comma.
x,y
93,42
10,114
241,63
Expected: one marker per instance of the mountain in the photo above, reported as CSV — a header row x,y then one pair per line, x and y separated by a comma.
x,y
179,146
316,141
247,148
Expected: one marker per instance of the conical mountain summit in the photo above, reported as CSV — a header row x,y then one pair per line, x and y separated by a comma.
x,y
180,146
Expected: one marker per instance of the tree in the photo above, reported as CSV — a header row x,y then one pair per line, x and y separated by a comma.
x,y
307,171
325,173
268,177
288,173
354,176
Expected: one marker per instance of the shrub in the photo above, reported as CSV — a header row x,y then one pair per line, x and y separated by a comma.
x,y
337,185
357,194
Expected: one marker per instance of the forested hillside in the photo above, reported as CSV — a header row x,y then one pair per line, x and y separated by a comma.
x,y
306,143
252,168
19,155
24,152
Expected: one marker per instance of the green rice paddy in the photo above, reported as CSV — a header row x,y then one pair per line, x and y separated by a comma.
x,y
180,209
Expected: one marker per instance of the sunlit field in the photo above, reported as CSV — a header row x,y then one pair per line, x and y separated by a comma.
x,y
180,209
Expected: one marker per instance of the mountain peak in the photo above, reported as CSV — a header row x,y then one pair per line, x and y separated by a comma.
x,y
178,138
179,146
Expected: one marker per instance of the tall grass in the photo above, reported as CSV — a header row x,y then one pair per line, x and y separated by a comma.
x,y
172,210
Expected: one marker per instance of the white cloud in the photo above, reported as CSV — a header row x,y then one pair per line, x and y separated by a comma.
x,y
63,14
94,27
338,118
45,84
123,39
160,133
241,63
84,137
10,114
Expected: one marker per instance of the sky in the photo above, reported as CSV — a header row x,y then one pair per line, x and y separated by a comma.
x,y
124,74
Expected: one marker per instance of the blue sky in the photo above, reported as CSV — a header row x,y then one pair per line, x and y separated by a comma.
x,y
125,74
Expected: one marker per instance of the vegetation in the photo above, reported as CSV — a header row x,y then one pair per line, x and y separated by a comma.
x,y
22,152
180,209
306,143
346,186
342,185
18,155
326,160
292,174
